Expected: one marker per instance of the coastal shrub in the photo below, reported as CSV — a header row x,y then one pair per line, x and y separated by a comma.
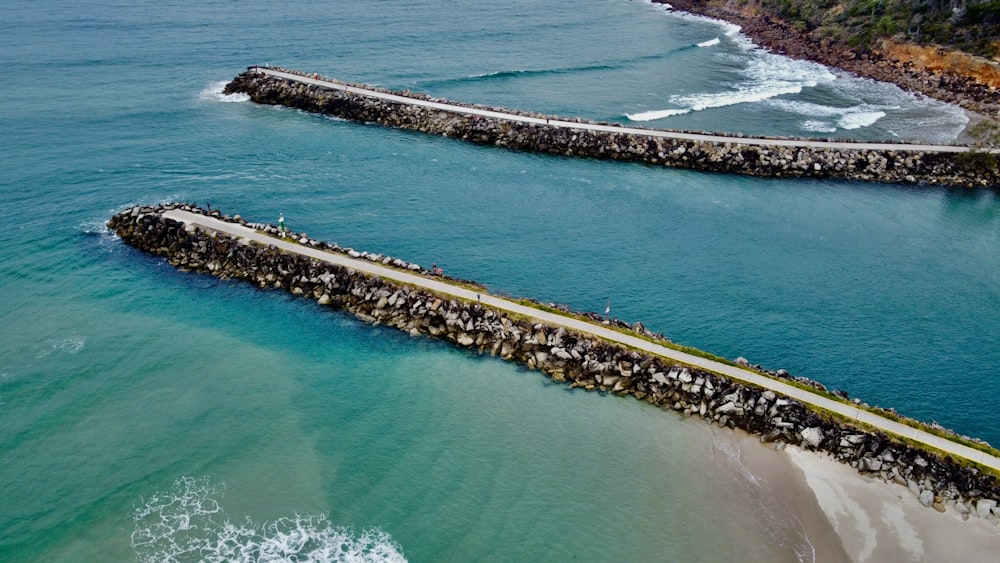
x,y
976,161
985,13
986,133
924,21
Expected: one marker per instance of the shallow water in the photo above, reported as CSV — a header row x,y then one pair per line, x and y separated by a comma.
x,y
123,381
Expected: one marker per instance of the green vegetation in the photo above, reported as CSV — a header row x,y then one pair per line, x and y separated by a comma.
x,y
967,25
986,135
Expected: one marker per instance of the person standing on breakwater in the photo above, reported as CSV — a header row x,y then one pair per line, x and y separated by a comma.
x,y
281,223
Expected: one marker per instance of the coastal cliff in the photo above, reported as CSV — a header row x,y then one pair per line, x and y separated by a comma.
x,y
577,360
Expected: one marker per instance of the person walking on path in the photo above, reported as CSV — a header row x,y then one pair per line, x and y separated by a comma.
x,y
281,223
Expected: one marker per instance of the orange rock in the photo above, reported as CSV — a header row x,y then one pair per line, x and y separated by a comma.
x,y
938,59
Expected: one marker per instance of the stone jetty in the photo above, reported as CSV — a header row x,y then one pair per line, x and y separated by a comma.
x,y
566,356
574,137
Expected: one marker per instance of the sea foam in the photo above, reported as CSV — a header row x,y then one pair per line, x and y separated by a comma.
x,y
860,119
214,92
188,523
70,345
766,75
828,119
656,114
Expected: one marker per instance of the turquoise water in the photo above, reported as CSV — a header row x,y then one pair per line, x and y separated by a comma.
x,y
146,412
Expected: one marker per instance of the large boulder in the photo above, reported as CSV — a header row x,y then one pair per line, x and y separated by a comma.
x,y
813,437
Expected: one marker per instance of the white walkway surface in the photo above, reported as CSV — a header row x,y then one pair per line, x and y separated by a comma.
x,y
849,411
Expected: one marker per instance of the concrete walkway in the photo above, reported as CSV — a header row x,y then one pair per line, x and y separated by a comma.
x,y
462,110
444,288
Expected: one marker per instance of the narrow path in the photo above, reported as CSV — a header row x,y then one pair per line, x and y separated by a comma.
x,y
444,288
798,143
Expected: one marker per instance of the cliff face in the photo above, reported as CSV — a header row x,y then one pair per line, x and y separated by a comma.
x,y
939,59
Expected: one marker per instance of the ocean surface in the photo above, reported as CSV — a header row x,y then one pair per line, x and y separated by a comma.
x,y
149,414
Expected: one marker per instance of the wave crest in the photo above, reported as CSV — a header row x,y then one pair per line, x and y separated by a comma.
x,y
860,119
182,524
656,114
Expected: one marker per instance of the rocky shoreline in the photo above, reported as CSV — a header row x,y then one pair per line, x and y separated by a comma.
x,y
776,161
780,37
563,355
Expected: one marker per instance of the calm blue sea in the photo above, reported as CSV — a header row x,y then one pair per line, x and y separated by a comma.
x,y
148,414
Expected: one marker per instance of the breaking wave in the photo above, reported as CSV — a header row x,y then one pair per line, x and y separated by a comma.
x,y
728,29
187,523
214,93
766,76
827,119
656,114
707,100
750,94
860,119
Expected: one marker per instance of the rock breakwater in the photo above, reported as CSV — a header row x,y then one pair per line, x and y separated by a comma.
x,y
732,154
566,356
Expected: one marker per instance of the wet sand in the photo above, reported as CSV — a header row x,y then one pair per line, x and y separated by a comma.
x,y
787,483
878,521
849,517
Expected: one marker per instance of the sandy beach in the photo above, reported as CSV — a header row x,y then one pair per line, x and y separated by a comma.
x,y
873,521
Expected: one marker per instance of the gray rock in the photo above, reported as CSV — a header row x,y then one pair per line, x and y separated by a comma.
x,y
726,408
812,436
984,507
871,464
926,497
561,353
